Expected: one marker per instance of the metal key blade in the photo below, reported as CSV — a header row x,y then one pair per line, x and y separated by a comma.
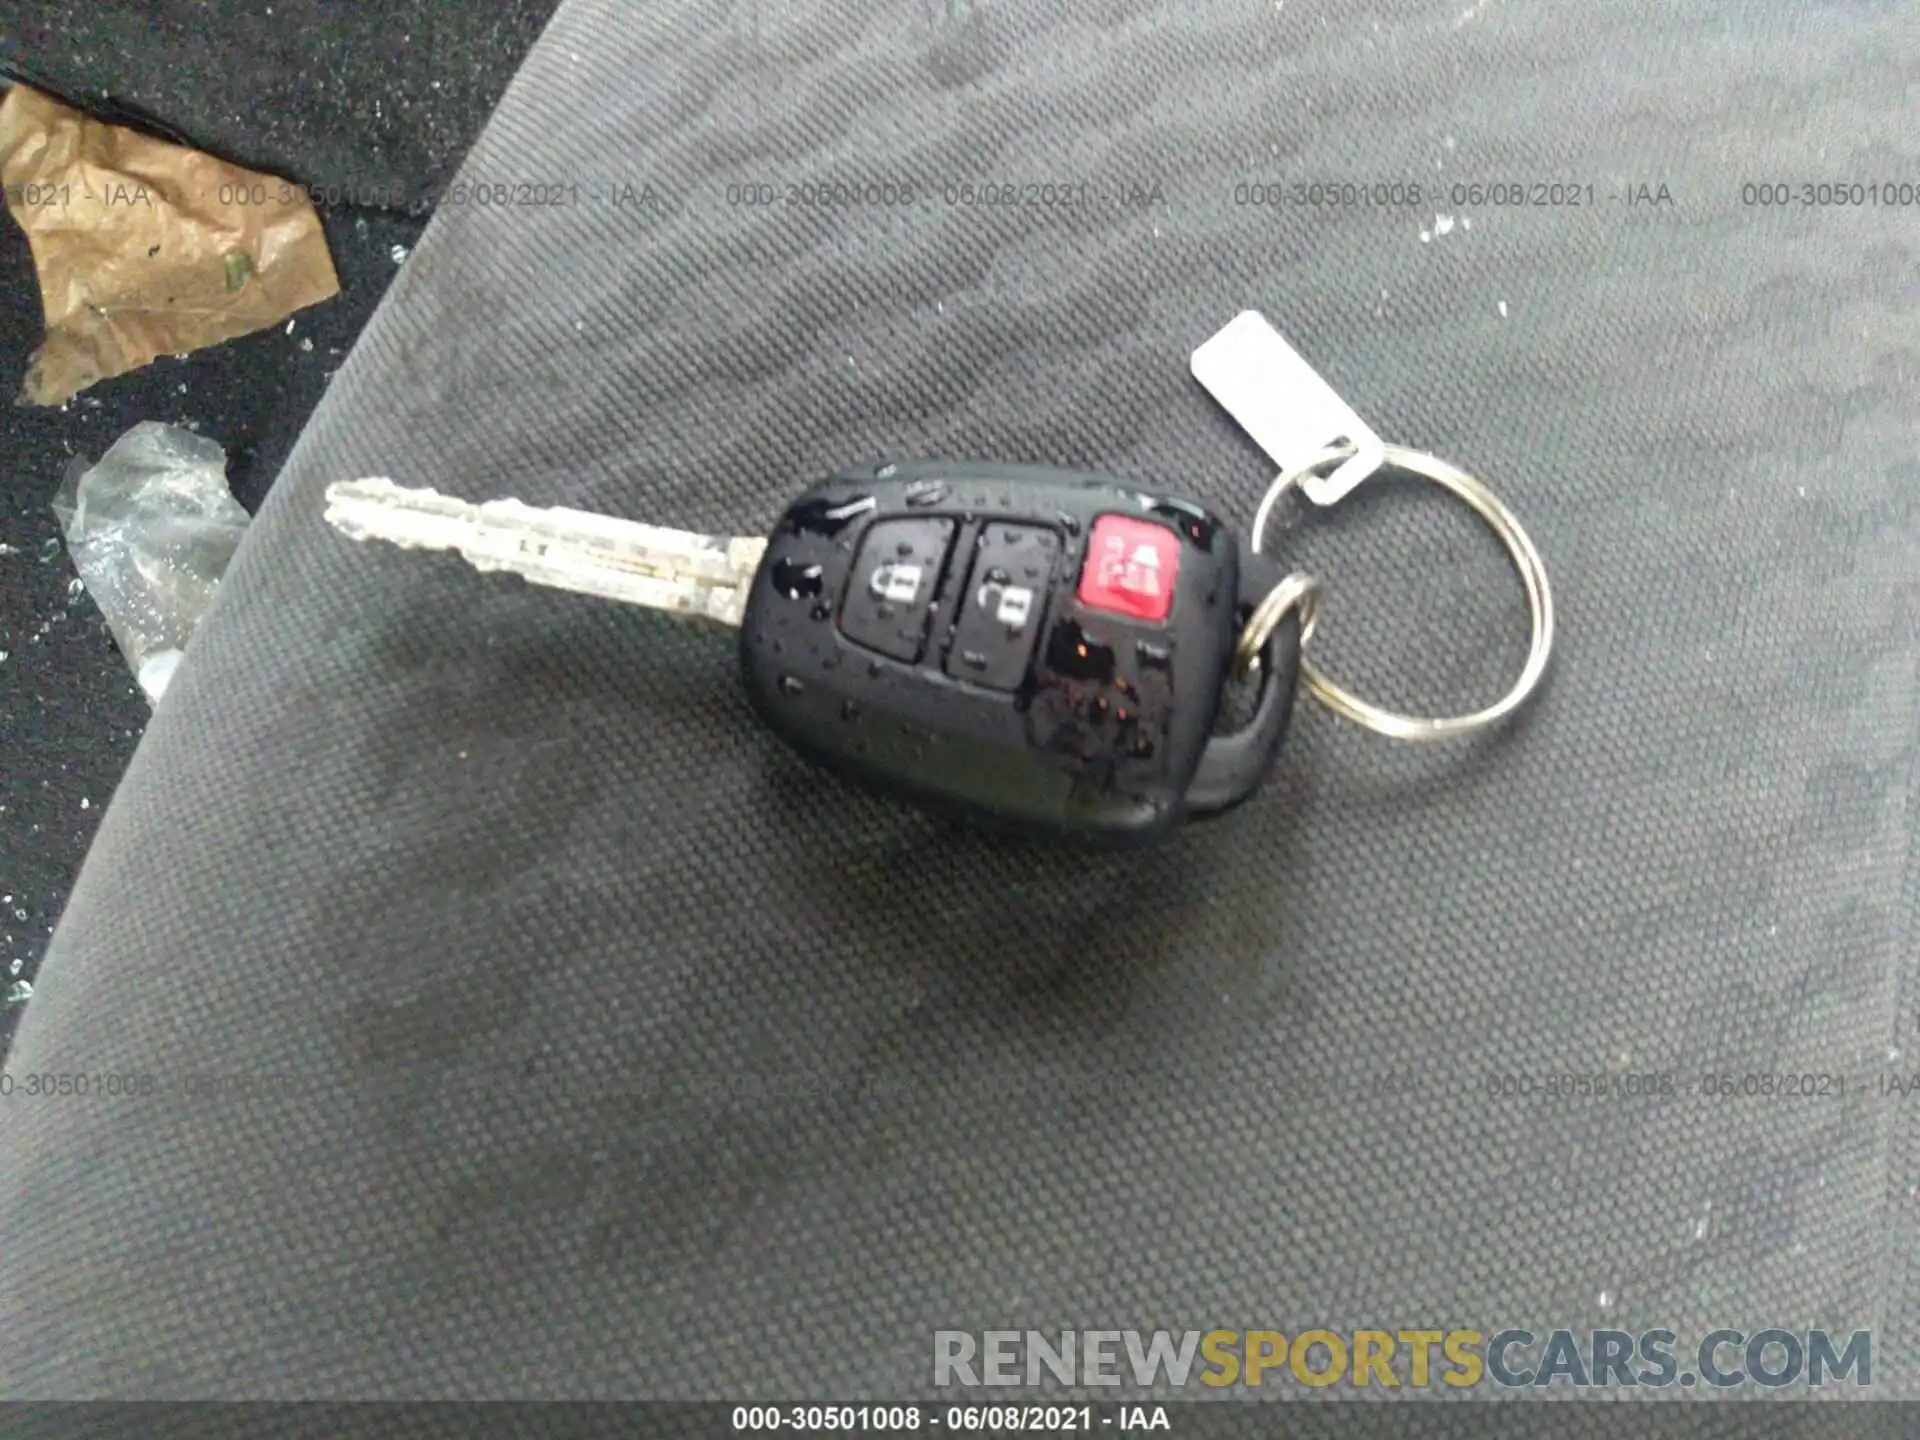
x,y
675,570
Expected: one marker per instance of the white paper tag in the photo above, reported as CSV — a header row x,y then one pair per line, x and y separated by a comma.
x,y
1283,404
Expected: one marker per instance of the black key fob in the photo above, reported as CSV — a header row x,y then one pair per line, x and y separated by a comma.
x,y
1028,647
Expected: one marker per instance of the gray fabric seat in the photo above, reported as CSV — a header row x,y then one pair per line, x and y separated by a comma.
x,y
596,1046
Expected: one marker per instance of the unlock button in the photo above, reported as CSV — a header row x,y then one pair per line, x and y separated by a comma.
x,y
1000,609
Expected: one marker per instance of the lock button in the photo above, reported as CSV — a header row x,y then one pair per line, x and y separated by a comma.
x,y
890,592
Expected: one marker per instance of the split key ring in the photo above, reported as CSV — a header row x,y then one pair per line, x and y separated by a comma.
x,y
1302,591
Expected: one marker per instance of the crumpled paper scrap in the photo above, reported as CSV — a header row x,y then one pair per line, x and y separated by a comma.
x,y
144,248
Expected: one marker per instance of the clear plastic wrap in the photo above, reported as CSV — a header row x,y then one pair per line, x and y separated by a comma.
x,y
151,528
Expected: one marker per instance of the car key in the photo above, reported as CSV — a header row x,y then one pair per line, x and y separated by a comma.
x,y
1045,648
1039,649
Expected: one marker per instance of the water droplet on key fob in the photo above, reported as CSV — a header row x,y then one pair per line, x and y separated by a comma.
x,y
827,517
927,492
1196,524
1068,523
821,612
886,472
790,686
873,669
1077,655
796,579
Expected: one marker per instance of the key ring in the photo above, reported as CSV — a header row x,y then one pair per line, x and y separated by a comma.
x,y
1296,591
1303,591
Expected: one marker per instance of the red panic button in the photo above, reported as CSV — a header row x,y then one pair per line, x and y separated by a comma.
x,y
1131,566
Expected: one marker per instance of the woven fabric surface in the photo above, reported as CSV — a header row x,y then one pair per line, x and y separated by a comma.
x,y
587,1043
